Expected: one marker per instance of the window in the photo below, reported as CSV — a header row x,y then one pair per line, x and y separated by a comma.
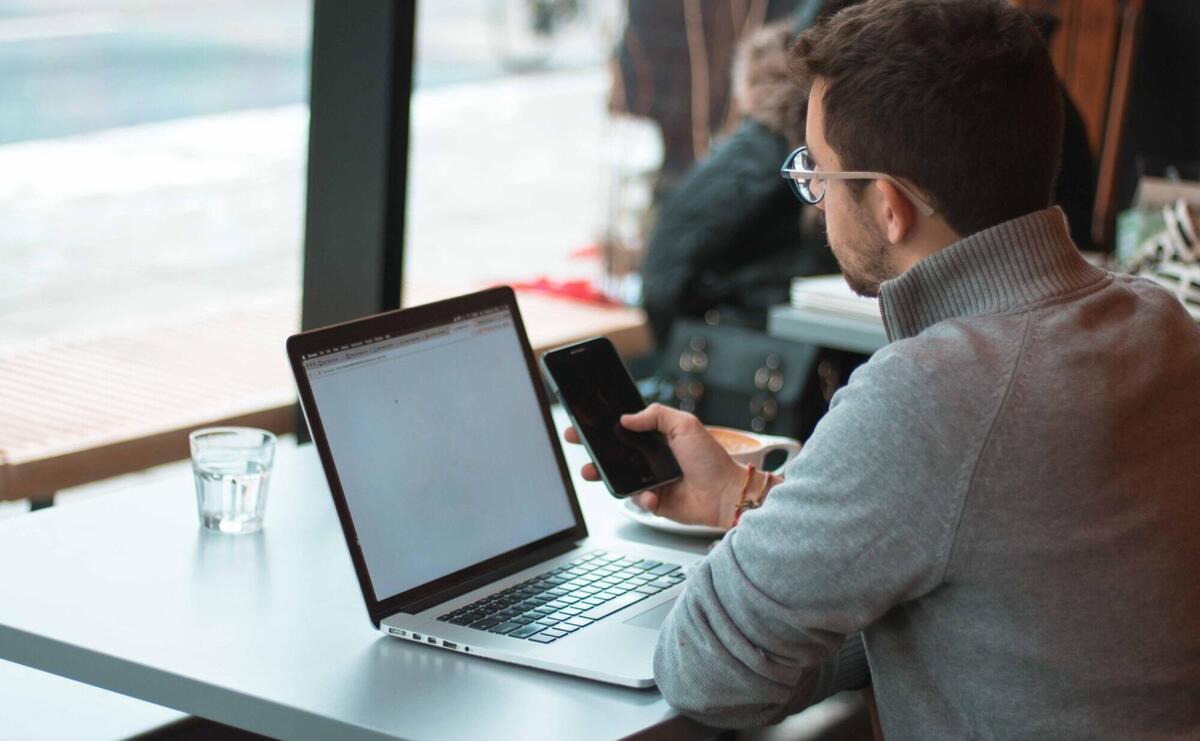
x,y
152,162
152,159
516,166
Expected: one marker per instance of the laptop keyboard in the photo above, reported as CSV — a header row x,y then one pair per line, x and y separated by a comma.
x,y
563,600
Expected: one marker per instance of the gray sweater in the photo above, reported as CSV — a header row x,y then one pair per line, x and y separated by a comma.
x,y
1004,502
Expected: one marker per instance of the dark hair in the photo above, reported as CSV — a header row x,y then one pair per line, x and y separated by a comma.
x,y
957,96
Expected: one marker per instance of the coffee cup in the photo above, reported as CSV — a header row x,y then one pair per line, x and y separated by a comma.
x,y
753,448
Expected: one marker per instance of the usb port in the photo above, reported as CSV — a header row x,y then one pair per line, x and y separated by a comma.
x,y
416,636
432,640
448,644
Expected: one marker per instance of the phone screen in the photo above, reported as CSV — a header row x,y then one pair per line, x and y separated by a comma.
x,y
596,389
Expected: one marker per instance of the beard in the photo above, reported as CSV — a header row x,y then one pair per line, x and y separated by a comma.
x,y
862,254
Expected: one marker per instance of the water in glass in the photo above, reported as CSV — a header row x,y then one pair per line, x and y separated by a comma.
x,y
232,467
232,495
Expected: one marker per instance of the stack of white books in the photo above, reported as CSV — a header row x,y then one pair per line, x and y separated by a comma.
x,y
830,294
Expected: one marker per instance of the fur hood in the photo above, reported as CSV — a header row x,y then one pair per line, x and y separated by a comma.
x,y
763,87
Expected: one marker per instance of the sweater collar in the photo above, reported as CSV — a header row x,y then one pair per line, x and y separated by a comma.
x,y
1014,264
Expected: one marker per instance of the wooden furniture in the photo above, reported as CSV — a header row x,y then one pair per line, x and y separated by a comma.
x,y
1094,51
553,321
83,410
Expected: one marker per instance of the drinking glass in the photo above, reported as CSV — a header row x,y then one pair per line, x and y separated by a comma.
x,y
232,466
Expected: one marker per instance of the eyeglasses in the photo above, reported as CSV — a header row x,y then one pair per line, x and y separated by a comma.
x,y
808,183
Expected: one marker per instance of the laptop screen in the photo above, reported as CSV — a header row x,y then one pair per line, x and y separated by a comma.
x,y
439,441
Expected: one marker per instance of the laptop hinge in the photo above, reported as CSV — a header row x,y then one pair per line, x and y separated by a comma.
x,y
532,559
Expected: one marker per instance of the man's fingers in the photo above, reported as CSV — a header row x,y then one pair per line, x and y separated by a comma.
x,y
588,471
647,419
647,500
656,417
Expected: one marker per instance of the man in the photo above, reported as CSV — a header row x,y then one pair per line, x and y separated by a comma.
x,y
1002,507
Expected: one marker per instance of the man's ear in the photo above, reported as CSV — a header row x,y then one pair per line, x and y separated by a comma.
x,y
899,215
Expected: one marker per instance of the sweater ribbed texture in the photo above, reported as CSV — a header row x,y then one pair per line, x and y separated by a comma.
x,y
1008,267
999,513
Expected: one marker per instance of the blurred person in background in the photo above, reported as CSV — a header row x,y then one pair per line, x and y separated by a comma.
x,y
728,237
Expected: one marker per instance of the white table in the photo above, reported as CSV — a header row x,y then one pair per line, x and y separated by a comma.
x,y
37,705
268,632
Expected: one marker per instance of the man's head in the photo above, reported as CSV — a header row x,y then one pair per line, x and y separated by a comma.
x,y
956,98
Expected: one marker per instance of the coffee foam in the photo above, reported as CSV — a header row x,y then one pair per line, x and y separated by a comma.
x,y
735,442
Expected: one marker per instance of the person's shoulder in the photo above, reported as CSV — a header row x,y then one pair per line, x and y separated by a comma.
x,y
1150,291
923,405
958,364
1151,308
752,147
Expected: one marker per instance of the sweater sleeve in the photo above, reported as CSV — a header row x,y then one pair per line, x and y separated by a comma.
x,y
864,520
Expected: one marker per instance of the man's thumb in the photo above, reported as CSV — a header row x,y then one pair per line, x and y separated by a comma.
x,y
650,418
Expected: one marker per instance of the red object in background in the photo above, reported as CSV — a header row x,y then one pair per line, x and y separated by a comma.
x,y
590,252
576,290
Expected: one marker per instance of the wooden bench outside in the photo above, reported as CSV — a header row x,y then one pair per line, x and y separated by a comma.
x,y
84,410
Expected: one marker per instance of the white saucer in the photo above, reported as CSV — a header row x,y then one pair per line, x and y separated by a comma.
x,y
642,517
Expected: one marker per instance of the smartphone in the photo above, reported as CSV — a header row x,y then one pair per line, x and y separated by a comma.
x,y
596,389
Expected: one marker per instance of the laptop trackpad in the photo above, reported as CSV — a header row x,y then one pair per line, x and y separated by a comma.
x,y
652,618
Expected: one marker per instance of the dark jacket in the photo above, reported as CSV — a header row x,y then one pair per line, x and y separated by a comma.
x,y
729,236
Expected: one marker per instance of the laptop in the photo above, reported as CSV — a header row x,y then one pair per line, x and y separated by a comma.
x,y
448,477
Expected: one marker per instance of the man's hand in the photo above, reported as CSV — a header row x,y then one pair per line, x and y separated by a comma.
x,y
712,481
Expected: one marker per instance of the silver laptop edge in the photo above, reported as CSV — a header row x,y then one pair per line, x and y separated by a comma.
x,y
617,648
610,650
